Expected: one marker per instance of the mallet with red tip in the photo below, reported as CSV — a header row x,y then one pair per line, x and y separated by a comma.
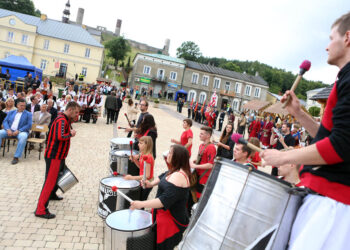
x,y
237,138
128,119
305,66
145,158
115,189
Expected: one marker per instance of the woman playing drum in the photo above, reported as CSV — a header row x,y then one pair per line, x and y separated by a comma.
x,y
169,206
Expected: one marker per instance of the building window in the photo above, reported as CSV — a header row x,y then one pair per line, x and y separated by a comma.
x,y
205,80
235,105
173,76
202,97
217,83
195,78
24,39
87,52
84,71
43,64
66,49
10,37
191,96
160,74
248,89
46,44
238,87
227,86
146,70
257,92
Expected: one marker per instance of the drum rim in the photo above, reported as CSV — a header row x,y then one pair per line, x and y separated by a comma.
x,y
65,170
220,159
127,138
119,177
134,152
121,230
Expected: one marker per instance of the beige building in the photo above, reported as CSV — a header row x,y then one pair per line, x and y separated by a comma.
x,y
59,49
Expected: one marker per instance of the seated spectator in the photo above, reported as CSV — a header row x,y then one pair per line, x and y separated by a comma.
x,y
60,102
66,101
9,105
20,95
10,94
33,106
41,117
2,113
29,94
17,124
52,110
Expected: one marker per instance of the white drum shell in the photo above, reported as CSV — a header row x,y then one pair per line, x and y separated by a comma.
x,y
121,143
242,206
66,181
116,238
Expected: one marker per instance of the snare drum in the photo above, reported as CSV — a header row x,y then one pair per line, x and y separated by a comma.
x,y
121,143
66,180
110,201
119,162
241,208
129,229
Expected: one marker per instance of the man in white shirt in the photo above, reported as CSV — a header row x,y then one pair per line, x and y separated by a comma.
x,y
17,124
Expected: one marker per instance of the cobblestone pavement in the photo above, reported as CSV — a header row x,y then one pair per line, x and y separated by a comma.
x,y
77,225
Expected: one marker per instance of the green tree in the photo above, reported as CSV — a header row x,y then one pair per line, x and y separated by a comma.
x,y
232,66
189,51
315,111
117,49
21,6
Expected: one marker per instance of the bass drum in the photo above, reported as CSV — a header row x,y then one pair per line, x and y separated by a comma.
x,y
242,208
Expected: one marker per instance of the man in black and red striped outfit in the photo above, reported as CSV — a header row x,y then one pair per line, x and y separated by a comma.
x,y
323,219
57,149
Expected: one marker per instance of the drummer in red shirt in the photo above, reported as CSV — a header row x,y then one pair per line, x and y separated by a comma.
x,y
186,137
205,158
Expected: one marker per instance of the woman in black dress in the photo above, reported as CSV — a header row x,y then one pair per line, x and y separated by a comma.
x,y
169,206
225,145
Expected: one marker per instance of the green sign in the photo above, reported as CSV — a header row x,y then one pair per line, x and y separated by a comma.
x,y
145,80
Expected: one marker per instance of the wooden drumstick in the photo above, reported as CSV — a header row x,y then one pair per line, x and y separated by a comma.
x,y
128,119
145,158
252,146
121,128
115,189
305,66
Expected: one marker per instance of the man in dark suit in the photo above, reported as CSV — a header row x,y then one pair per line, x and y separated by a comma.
x,y
17,124
51,110
33,106
111,105
120,105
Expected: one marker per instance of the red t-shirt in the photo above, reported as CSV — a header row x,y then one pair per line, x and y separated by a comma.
x,y
256,158
150,160
184,139
208,157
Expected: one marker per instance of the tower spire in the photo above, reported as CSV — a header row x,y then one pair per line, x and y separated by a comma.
x,y
66,13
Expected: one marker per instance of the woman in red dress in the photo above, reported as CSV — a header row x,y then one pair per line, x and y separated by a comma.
x,y
255,127
266,132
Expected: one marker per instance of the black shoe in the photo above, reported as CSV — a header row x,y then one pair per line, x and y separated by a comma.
x,y
46,216
56,198
14,161
107,123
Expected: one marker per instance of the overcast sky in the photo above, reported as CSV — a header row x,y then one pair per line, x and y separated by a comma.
x,y
280,33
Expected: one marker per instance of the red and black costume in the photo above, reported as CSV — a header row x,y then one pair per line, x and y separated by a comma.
x,y
208,156
173,218
266,133
254,129
333,143
57,149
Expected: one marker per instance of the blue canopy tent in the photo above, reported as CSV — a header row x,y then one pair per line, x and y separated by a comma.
x,y
18,67
180,93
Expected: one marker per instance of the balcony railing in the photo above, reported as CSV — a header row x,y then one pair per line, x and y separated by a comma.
x,y
160,79
227,93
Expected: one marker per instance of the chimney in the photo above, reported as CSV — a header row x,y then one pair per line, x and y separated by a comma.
x,y
43,17
166,47
80,16
118,27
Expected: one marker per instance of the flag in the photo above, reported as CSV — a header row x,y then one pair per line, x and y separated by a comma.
x,y
213,100
195,108
203,107
191,103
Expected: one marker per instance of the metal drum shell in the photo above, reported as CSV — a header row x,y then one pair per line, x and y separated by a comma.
x,y
66,180
121,143
250,203
115,237
119,161
115,201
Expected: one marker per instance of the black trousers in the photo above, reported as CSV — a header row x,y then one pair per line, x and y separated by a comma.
x,y
110,115
220,124
188,113
130,133
116,114
87,114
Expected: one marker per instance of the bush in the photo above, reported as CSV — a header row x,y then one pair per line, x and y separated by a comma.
x,y
128,96
156,101
315,111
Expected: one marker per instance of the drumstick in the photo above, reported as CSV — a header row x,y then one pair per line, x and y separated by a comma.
x,y
145,158
131,148
121,128
115,189
252,146
115,173
305,66
128,119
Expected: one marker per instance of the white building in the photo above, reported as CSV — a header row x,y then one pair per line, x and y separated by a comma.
x,y
312,103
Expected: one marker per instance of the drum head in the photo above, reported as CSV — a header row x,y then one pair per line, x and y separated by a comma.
x,y
123,153
119,182
166,153
129,220
120,140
